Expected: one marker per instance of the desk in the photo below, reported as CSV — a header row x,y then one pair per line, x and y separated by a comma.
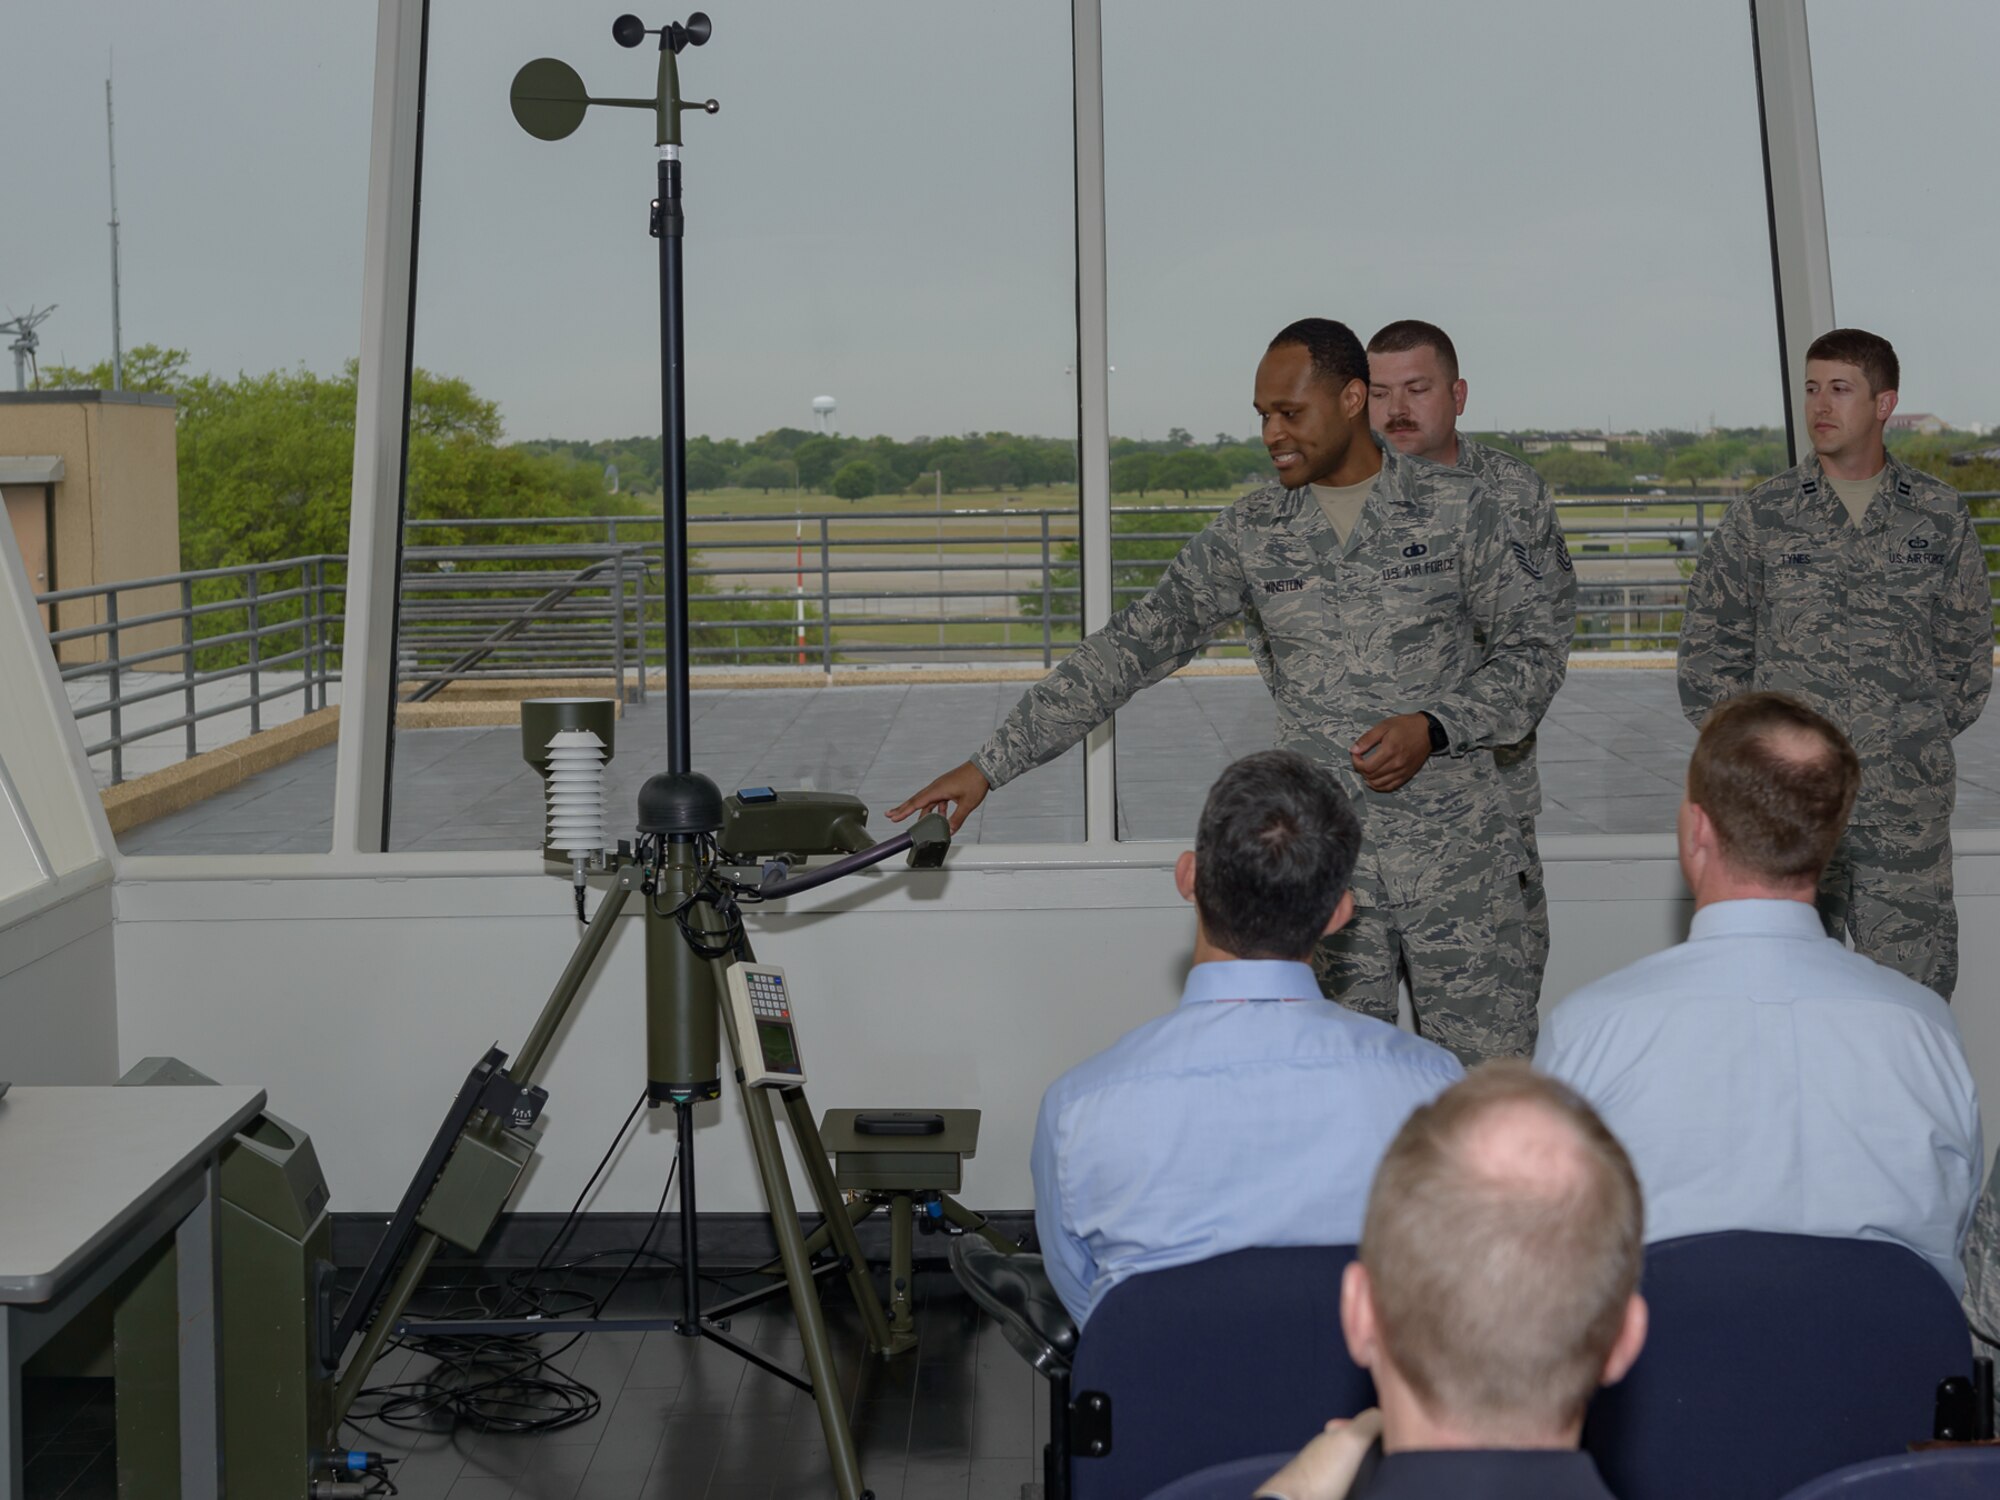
x,y
91,1179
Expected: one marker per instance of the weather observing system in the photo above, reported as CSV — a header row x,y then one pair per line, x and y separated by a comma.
x,y
693,864
823,408
26,342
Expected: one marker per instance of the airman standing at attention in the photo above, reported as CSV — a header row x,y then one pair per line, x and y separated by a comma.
x,y
1858,584
1415,398
1400,633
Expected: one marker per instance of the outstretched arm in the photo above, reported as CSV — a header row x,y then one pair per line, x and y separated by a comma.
x,y
1201,589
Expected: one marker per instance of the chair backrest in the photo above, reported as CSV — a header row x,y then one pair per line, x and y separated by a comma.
x,y
1940,1474
1226,1358
1230,1481
1771,1359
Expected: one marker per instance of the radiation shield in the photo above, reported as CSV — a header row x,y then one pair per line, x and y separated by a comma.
x,y
542,719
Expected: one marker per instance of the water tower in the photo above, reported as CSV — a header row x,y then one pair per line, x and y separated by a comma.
x,y
823,409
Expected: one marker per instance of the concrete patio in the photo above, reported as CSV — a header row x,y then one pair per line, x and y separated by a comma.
x,y
1613,750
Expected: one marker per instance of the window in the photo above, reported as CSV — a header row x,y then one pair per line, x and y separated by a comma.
x,y
872,220
1911,241
1573,191
187,530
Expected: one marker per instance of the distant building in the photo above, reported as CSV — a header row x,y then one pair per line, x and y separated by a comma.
x,y
92,490
1576,442
1922,422
1989,454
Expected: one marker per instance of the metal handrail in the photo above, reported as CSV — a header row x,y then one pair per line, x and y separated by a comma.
x,y
299,616
522,607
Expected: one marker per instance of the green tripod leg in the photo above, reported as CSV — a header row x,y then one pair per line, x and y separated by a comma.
x,y
379,1332
839,1226
805,1296
798,1271
821,1237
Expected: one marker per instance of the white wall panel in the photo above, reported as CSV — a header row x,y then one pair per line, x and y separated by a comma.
x,y
359,1003
58,1014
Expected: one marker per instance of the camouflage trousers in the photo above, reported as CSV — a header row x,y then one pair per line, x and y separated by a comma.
x,y
1889,887
1465,955
1535,896
1982,1272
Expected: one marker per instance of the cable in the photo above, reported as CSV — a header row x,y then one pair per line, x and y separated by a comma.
x,y
501,1383
651,1229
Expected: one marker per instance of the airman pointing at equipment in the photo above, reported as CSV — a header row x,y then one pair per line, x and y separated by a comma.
x,y
1402,636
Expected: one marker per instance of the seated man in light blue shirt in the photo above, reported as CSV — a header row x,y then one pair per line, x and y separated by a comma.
x,y
1761,1075
1255,1112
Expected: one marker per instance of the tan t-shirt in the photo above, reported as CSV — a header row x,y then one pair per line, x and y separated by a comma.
x,y
1342,504
1856,494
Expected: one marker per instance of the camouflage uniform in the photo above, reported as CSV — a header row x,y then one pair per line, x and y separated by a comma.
x,y
1982,1273
1346,636
1886,628
1525,495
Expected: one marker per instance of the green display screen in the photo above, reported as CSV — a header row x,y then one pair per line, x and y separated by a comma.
x,y
776,1043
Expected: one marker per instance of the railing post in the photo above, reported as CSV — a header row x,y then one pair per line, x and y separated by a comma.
x,y
639,619
305,640
117,717
256,708
1048,600
187,657
319,630
618,621
825,599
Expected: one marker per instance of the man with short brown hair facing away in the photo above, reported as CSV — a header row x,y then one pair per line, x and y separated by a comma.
x,y
1762,1076
1496,1290
1859,585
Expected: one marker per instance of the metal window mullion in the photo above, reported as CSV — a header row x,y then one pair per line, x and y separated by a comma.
x,y
1093,392
368,638
1801,265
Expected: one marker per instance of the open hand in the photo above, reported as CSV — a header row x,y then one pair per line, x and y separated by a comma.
x,y
960,790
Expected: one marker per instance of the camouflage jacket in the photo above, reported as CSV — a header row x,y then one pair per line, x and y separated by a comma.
x,y
1430,606
1525,495
1886,627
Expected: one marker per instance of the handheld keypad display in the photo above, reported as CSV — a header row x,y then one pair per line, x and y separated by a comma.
x,y
762,1003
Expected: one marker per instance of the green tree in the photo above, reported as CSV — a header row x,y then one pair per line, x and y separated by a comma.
x,y
1244,462
1190,470
817,458
1711,458
704,471
1133,474
146,368
1637,458
856,480
765,474
1566,469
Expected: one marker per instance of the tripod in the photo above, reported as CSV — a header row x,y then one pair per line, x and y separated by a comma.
x,y
693,931
689,838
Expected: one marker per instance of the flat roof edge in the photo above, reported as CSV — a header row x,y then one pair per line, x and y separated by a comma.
x,y
106,398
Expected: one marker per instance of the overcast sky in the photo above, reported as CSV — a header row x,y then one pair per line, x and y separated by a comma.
x,y
882,212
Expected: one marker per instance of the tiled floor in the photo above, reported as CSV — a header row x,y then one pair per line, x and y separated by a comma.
x,y
957,1418
1613,749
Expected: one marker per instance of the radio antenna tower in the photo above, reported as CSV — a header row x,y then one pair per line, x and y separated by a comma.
x,y
111,148
26,341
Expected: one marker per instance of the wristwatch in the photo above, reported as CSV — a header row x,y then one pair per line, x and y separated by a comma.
x,y
1439,739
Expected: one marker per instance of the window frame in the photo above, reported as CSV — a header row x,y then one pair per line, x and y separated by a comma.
x,y
1802,279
